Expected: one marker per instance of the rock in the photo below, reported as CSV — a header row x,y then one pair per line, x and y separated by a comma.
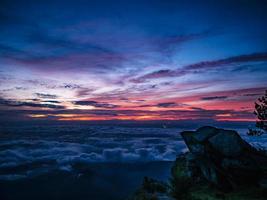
x,y
224,158
263,184
192,143
192,169
205,132
228,143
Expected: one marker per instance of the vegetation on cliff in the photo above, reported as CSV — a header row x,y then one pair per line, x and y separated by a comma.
x,y
220,165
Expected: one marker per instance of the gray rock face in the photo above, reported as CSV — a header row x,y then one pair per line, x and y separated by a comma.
x,y
228,143
224,158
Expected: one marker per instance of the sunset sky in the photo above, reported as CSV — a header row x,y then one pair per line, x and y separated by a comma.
x,y
132,60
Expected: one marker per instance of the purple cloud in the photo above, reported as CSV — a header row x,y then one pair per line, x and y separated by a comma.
x,y
193,68
95,104
13,103
214,98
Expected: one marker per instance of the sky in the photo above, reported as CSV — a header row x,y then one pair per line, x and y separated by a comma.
x,y
132,60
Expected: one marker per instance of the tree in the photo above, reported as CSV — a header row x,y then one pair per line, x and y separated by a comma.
x,y
261,113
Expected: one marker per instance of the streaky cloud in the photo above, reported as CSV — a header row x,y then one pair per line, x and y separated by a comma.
x,y
15,103
46,96
214,98
95,104
199,67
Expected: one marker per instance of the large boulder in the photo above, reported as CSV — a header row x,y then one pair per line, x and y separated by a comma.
x,y
224,158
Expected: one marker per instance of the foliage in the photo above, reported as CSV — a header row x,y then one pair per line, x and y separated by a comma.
x,y
182,187
180,182
151,185
261,112
150,190
186,188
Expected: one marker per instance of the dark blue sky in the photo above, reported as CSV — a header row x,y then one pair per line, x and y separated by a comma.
x,y
132,59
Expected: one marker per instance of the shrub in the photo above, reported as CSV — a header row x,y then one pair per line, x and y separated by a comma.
x,y
151,185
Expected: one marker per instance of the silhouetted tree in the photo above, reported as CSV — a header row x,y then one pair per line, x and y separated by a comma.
x,y
261,113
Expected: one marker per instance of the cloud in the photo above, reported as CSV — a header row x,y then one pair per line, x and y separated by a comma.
x,y
49,84
236,93
165,45
84,92
58,53
95,104
97,62
214,98
231,60
46,96
71,86
40,156
39,46
48,46
51,101
42,83
167,105
12,103
253,94
10,52
164,105
115,114
202,66
66,44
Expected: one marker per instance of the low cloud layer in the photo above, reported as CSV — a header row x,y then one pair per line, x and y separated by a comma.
x,y
24,153
53,149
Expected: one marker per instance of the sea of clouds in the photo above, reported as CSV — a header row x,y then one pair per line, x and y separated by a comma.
x,y
31,151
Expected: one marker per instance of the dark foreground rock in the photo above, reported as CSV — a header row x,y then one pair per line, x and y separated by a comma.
x,y
216,157
224,159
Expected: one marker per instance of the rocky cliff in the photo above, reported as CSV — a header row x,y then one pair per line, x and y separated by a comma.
x,y
219,165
